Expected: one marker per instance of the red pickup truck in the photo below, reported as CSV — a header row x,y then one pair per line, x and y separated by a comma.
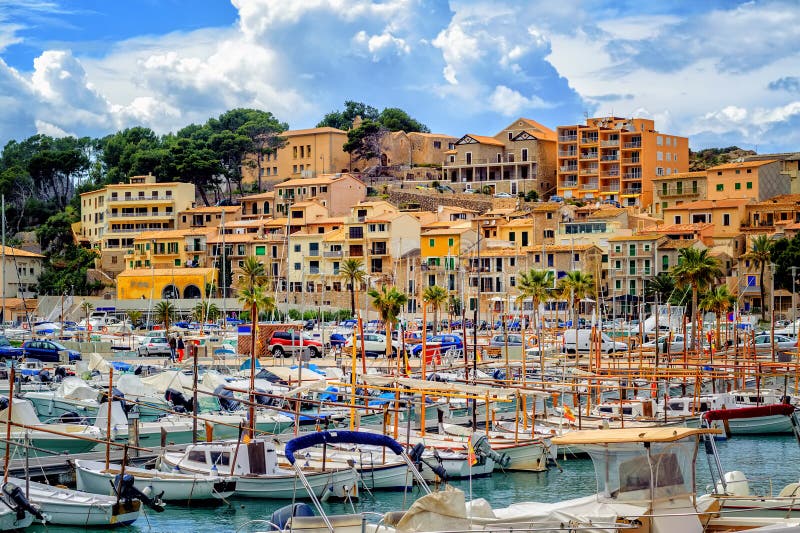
x,y
284,343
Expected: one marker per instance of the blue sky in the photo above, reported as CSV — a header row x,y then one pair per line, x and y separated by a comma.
x,y
720,72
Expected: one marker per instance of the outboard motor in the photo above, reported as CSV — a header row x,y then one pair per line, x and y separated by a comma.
x,y
3,403
127,492
437,468
226,400
60,373
786,400
179,402
19,503
484,449
118,395
44,376
415,454
280,518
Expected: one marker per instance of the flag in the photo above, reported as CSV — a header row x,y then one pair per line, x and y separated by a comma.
x,y
471,458
408,364
246,438
568,413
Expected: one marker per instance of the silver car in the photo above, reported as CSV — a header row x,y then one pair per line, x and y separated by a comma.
x,y
782,342
154,346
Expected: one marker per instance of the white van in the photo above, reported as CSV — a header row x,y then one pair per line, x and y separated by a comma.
x,y
579,340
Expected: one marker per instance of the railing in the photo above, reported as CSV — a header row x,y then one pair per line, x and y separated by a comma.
x,y
633,144
137,215
569,168
117,247
632,176
568,184
629,190
139,198
313,270
631,161
674,191
610,157
568,153
610,142
610,188
378,251
588,140
195,247
137,230
588,171
567,138
336,253
610,174
590,155
313,253
589,186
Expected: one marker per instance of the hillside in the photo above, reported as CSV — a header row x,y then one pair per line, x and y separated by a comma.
x,y
716,156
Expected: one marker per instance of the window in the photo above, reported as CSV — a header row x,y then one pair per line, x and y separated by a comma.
x,y
294,169
659,156
726,219
549,216
450,242
512,236
197,456
261,250
665,262
618,284
524,154
749,171
437,144
669,141
618,248
659,140
737,171
631,249
749,184
297,266
618,264
432,242
294,152
720,187
297,248
737,186
677,219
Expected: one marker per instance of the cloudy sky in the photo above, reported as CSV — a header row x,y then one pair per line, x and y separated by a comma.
x,y
721,72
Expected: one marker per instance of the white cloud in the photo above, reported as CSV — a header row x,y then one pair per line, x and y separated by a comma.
x,y
509,102
382,45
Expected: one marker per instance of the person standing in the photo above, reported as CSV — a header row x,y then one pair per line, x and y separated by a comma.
x,y
172,348
181,347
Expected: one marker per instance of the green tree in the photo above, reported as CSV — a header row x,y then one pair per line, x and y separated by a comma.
x,y
135,316
761,254
534,285
395,119
719,301
164,312
661,286
192,161
435,296
576,285
87,308
696,270
343,120
205,311
253,296
389,304
364,142
352,270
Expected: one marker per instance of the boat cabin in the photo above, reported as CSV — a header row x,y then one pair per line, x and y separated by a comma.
x,y
647,469
636,408
257,457
755,397
690,406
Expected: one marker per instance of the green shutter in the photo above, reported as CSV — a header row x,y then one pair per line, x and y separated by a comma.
x,y
261,250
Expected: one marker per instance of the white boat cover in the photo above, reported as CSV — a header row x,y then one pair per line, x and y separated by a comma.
x,y
169,379
73,388
96,362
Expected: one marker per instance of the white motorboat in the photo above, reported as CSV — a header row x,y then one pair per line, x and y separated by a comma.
x,y
63,506
524,453
257,472
94,477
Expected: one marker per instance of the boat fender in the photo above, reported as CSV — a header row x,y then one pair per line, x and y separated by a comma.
x,y
19,503
126,490
280,518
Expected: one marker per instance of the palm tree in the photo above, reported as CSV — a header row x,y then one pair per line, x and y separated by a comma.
x,y
352,270
695,269
205,311
389,304
164,312
579,285
87,308
760,254
435,296
534,284
135,316
252,295
661,286
719,301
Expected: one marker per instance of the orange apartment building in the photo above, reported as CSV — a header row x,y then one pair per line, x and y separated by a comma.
x,y
613,158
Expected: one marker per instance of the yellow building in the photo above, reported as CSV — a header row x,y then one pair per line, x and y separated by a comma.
x,y
164,283
442,252
208,217
758,180
677,189
112,216
170,249
614,158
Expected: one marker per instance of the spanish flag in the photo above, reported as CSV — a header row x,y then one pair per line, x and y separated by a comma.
x,y
407,362
568,413
471,457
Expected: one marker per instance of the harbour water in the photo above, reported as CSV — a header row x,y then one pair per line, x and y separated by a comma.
x,y
769,462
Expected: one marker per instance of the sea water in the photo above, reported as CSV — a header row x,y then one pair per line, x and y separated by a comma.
x,y
769,462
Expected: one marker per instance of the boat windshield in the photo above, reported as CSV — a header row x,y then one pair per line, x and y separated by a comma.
x,y
628,472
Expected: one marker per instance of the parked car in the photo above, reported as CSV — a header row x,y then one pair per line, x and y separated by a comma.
x,y
48,351
7,351
674,346
374,345
443,342
154,346
580,340
503,195
500,340
782,342
284,343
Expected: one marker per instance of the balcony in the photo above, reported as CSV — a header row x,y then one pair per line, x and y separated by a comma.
x,y
313,270
569,168
632,145
591,186
567,153
588,140
139,215
378,251
611,189
610,142
632,191
568,184
141,198
195,247
632,176
591,171
335,253
678,191
589,155
567,138
631,161
610,157
610,174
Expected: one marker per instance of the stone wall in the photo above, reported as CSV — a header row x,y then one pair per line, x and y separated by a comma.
x,y
430,200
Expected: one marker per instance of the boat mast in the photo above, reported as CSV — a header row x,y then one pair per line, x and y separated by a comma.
x,y
224,274
3,208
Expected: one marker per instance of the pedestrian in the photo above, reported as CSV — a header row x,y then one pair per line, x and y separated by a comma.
x,y
172,347
181,346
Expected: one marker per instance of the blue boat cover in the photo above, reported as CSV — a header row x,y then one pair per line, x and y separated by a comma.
x,y
336,437
121,366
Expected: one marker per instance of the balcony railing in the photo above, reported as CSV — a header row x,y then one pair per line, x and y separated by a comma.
x,y
610,188
610,174
568,153
569,184
610,157
567,138
139,198
313,253
630,190
633,144
589,155
675,191
631,161
195,247
137,215
589,186
610,142
569,168
378,251
588,140
588,171
632,176
336,253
